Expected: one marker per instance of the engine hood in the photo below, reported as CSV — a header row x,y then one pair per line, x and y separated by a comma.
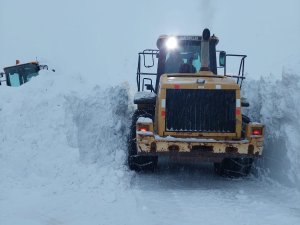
x,y
203,80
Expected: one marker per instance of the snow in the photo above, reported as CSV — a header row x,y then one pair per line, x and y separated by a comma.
x,y
276,103
145,133
143,95
63,154
191,81
63,134
144,120
58,143
170,138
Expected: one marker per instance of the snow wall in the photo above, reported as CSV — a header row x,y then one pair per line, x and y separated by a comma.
x,y
276,103
68,137
59,137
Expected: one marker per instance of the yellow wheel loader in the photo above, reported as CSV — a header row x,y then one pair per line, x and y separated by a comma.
x,y
19,74
189,112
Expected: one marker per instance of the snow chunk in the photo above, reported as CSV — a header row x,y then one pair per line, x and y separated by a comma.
x,y
144,120
144,97
198,140
145,133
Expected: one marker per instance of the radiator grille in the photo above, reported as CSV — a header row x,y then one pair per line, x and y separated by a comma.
x,y
194,110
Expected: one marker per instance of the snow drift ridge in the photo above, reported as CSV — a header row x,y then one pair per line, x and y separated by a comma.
x,y
276,103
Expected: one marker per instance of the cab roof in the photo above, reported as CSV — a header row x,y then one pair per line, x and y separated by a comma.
x,y
22,64
162,38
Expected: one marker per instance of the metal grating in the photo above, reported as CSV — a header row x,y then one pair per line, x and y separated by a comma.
x,y
194,110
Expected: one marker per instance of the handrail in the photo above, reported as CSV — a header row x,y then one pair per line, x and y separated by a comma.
x,y
142,57
240,76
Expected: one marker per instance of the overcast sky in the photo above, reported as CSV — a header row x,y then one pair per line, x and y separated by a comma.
x,y
97,39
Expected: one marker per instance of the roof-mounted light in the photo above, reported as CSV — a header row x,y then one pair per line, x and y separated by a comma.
x,y
172,43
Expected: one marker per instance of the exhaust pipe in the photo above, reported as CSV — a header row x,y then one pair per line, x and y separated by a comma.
x,y
205,50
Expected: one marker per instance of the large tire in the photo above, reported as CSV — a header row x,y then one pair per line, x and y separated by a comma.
x,y
234,167
136,162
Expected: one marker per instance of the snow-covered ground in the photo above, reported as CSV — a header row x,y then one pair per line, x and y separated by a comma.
x,y
174,196
63,151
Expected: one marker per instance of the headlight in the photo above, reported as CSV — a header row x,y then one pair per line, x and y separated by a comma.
x,y
172,43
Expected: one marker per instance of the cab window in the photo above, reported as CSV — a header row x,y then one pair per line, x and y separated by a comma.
x,y
185,59
14,79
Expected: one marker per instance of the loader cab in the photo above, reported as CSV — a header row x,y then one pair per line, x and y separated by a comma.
x,y
188,50
187,55
21,73
175,54
182,54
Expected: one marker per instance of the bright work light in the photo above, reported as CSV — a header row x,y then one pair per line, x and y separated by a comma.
x,y
172,43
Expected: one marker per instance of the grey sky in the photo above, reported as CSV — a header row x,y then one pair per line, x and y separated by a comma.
x,y
95,38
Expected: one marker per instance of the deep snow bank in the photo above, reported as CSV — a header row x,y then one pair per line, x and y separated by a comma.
x,y
62,134
276,103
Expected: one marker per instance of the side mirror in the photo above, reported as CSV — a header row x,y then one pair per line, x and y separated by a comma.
x,y
2,74
222,58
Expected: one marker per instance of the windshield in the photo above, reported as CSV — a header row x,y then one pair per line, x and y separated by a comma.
x,y
17,75
185,59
